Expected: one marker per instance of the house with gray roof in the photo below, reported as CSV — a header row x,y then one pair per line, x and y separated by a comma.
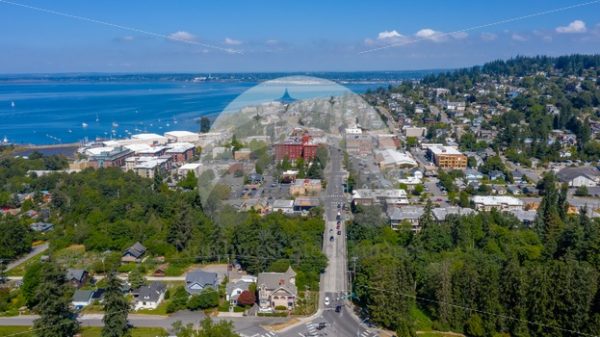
x,y
526,217
41,226
198,280
579,176
236,287
77,277
406,214
277,290
441,213
150,296
134,253
82,298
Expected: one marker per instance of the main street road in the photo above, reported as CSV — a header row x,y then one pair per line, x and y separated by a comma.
x,y
334,281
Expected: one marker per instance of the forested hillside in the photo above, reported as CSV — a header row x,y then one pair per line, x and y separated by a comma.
x,y
484,274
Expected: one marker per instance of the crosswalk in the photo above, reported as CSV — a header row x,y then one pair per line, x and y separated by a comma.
x,y
264,334
312,331
366,333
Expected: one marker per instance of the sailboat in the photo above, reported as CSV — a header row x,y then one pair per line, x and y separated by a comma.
x,y
97,118
84,125
12,104
5,140
115,125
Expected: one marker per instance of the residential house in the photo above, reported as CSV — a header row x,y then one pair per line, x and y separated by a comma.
x,y
134,253
77,277
527,217
277,290
150,296
198,280
161,270
41,226
496,175
441,213
82,298
236,287
579,176
473,175
407,214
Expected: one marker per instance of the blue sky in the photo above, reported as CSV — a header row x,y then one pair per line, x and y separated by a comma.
x,y
188,35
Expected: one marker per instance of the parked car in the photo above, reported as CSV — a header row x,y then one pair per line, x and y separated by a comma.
x,y
326,300
331,238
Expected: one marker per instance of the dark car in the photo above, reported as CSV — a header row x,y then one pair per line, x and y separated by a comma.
x,y
339,232
338,308
331,238
321,325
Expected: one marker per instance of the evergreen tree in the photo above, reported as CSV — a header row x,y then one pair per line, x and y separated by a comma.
x,y
116,309
56,318
204,124
136,278
426,219
180,232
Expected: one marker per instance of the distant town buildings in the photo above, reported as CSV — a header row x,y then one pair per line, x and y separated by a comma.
x,y
446,157
296,147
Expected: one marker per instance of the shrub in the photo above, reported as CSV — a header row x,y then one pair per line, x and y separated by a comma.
x,y
246,298
208,298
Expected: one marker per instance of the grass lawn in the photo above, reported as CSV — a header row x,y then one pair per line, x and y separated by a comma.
x,y
422,322
85,332
160,310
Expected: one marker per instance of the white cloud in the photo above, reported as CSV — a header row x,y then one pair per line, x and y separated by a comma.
x,y
433,35
272,42
488,36
386,34
182,36
430,34
576,26
232,42
518,37
388,37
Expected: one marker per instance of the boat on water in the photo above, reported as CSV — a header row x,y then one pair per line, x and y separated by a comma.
x,y
115,125
12,104
5,140
84,125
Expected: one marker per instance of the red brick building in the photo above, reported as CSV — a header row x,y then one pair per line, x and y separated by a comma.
x,y
295,148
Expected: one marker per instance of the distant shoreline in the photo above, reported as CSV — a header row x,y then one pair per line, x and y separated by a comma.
x,y
67,149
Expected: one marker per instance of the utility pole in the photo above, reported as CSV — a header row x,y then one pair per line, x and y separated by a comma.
x,y
354,259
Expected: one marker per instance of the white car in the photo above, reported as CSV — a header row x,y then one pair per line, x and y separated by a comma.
x,y
326,300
